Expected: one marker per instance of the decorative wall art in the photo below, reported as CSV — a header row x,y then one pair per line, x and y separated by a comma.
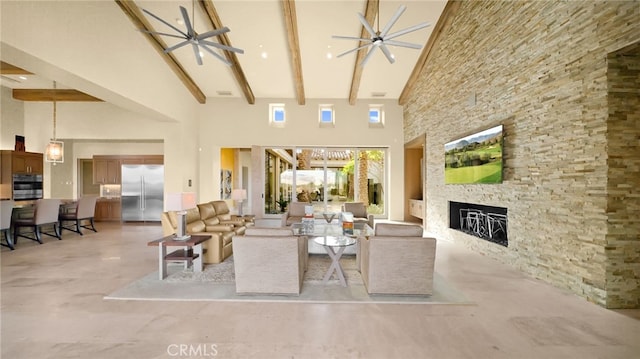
x,y
225,184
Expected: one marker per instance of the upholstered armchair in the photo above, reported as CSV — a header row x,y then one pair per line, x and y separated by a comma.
x,y
83,210
294,214
359,211
397,260
269,262
264,231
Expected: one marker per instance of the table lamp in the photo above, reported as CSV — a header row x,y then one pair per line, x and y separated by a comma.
x,y
239,195
180,203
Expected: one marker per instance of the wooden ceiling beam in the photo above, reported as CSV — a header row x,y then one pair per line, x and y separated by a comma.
x,y
236,69
49,95
140,22
371,11
8,69
291,22
443,23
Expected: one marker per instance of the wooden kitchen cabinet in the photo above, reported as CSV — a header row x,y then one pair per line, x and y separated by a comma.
x,y
25,162
106,170
108,210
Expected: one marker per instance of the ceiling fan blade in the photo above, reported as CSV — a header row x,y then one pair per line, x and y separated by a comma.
x,y
402,44
366,25
196,51
223,47
393,20
177,46
226,62
163,34
212,33
366,58
187,22
164,22
386,53
352,50
407,30
350,38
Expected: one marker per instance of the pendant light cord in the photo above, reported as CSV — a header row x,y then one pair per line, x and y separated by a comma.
x,y
55,110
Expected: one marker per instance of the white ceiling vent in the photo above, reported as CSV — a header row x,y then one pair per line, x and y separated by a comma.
x,y
223,93
378,94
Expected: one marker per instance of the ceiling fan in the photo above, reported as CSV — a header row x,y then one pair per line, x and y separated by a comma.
x,y
196,40
380,39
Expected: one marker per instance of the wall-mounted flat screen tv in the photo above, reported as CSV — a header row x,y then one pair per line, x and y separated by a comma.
x,y
476,158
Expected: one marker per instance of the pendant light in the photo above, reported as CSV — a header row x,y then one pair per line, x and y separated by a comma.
x,y
55,149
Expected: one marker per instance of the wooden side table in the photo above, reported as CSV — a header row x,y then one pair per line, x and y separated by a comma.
x,y
191,253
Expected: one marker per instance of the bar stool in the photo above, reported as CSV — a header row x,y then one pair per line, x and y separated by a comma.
x,y
82,210
6,208
45,213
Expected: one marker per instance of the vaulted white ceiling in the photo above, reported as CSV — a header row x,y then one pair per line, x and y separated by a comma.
x,y
257,26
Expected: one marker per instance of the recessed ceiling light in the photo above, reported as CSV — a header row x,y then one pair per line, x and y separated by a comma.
x,y
264,54
179,21
329,55
23,78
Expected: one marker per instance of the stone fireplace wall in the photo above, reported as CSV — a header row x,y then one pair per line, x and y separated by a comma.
x,y
540,68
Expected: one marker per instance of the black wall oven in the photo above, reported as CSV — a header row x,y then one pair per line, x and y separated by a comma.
x,y
27,187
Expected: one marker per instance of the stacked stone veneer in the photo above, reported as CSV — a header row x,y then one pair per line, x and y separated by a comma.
x,y
553,74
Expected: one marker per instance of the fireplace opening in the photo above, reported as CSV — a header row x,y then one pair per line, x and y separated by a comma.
x,y
486,222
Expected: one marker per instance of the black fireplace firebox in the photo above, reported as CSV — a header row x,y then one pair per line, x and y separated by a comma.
x,y
486,222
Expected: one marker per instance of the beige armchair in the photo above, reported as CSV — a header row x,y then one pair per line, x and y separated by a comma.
x,y
269,262
294,213
359,211
264,231
398,260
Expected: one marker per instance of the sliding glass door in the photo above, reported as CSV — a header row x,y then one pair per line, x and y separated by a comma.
x,y
325,178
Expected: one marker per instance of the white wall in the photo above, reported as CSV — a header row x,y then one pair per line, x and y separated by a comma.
x,y
233,123
99,128
11,120
80,54
192,147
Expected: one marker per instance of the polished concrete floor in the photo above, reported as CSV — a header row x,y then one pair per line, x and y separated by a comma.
x,y
53,307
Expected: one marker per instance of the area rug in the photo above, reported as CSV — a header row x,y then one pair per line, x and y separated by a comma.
x,y
216,283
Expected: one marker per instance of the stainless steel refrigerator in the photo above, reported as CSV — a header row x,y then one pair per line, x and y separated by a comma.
x,y
142,192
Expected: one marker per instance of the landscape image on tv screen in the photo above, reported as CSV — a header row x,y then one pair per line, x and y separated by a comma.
x,y
476,158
